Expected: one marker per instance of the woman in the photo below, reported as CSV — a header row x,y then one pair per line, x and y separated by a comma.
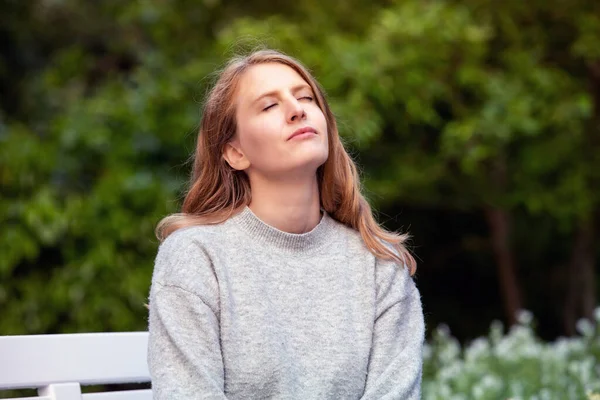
x,y
275,281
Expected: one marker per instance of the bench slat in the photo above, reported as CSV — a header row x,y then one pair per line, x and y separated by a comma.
x,y
33,361
28,398
144,394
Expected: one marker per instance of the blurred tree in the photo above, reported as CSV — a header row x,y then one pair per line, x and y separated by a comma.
x,y
555,46
472,105
466,106
95,131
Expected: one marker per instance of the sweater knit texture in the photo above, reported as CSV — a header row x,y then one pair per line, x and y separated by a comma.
x,y
242,310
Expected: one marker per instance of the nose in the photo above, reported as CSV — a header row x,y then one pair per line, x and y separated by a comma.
x,y
296,112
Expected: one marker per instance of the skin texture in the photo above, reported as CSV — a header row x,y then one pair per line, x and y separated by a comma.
x,y
273,102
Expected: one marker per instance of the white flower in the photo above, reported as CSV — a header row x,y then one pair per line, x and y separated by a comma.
x,y
491,367
524,317
585,327
443,330
597,314
479,348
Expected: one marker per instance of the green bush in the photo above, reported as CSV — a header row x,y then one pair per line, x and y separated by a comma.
x,y
515,365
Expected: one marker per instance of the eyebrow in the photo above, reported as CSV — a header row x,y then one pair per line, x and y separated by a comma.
x,y
295,89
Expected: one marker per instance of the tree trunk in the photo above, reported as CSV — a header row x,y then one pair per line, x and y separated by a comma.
x,y
580,297
500,231
581,289
588,287
587,228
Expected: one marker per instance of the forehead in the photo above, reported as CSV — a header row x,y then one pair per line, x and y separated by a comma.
x,y
264,78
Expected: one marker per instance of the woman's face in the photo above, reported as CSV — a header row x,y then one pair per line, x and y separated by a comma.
x,y
281,131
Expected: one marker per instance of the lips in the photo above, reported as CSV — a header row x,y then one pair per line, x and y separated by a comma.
x,y
301,131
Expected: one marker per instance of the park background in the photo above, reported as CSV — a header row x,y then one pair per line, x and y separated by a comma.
x,y
475,123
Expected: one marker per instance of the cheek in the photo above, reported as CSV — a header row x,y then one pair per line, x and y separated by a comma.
x,y
259,138
319,117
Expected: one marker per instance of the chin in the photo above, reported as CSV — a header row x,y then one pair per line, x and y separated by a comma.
x,y
306,160
307,165
318,160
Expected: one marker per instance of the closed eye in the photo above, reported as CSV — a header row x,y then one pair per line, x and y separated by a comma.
x,y
308,98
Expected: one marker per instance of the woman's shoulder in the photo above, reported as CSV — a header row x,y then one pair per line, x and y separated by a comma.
x,y
192,235
183,259
188,244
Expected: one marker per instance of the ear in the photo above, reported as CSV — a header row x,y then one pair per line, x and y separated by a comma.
x,y
235,157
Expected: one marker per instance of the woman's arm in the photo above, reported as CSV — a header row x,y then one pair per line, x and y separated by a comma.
x,y
184,354
396,359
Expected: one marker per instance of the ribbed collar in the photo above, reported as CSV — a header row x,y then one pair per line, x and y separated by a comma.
x,y
288,242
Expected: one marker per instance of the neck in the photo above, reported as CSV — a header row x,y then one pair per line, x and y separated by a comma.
x,y
290,206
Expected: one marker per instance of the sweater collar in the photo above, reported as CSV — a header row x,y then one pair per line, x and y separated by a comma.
x,y
289,242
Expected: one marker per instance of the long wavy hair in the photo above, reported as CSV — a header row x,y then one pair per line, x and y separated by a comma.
x,y
217,191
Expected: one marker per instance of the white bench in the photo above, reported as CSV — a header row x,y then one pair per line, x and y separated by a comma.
x,y
57,365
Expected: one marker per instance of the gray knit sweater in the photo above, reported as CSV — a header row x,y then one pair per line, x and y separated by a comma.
x,y
241,310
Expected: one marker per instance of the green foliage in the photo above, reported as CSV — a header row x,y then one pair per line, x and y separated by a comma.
x,y
515,365
450,105
444,98
85,200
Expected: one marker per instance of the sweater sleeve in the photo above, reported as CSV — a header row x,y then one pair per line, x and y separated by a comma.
x,y
396,359
184,354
